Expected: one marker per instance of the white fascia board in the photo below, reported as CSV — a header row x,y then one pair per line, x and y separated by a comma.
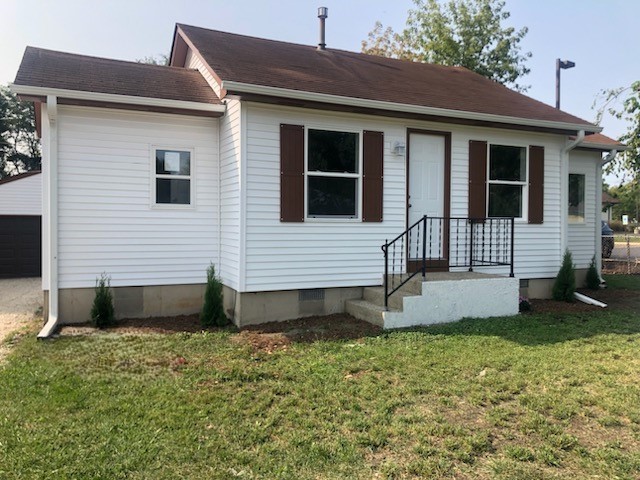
x,y
239,87
603,147
113,98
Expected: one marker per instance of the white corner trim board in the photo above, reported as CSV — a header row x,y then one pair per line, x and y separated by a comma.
x,y
239,87
112,98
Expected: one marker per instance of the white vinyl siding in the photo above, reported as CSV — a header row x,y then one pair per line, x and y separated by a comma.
x,y
324,254
194,61
22,196
581,236
106,220
230,146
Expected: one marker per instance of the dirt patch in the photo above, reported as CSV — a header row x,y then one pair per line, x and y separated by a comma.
x,y
615,266
134,326
274,336
616,299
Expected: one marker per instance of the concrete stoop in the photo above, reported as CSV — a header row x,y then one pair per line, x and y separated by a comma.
x,y
443,297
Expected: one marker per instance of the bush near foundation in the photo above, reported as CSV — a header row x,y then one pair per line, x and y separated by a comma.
x,y
102,311
212,313
593,279
565,285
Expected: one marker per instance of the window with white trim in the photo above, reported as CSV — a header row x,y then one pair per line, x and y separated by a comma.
x,y
507,181
576,198
333,174
173,172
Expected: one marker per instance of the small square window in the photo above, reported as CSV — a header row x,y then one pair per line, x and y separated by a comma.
x,y
576,198
173,177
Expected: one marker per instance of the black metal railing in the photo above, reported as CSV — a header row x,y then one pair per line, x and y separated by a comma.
x,y
447,242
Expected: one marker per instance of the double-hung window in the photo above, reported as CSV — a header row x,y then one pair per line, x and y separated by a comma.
x,y
576,198
333,174
172,181
507,181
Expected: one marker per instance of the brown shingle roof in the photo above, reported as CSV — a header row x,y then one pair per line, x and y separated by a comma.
x,y
607,199
47,68
600,139
272,63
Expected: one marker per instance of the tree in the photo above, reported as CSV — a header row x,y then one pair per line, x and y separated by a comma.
x,y
624,104
466,33
19,145
160,59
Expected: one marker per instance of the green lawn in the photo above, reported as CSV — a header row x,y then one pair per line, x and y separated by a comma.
x,y
529,397
621,238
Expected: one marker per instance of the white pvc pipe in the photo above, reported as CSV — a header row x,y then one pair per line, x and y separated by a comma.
x,y
589,300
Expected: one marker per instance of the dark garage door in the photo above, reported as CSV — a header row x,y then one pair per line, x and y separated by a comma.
x,y
20,246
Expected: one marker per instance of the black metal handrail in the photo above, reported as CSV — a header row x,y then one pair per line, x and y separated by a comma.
x,y
434,242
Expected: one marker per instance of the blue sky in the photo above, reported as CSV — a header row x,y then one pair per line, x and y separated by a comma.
x,y
600,36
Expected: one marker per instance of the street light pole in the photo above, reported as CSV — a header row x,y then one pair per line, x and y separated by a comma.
x,y
564,65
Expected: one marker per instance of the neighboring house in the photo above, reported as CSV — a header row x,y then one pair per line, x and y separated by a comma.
x,y
20,225
607,206
288,167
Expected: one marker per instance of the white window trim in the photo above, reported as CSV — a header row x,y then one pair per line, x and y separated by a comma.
x,y
524,184
584,199
308,173
192,183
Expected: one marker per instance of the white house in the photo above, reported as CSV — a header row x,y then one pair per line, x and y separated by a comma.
x,y
20,225
289,167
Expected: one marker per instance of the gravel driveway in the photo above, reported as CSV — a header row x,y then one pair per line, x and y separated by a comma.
x,y
20,298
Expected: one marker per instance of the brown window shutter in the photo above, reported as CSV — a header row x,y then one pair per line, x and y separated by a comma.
x,y
372,184
477,179
291,173
536,184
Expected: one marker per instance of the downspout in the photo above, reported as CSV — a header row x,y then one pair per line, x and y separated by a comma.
x,y
598,228
52,320
564,185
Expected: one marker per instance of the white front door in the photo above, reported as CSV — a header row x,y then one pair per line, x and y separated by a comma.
x,y
427,193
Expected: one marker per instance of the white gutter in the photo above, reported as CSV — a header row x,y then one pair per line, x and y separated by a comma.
x,y
575,142
52,116
239,87
564,190
112,98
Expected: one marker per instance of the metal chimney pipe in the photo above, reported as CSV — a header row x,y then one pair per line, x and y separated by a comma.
x,y
323,13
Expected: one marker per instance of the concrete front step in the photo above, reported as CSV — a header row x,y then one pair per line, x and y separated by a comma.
x,y
367,311
375,295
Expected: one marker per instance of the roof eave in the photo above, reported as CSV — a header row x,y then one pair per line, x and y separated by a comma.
x,y
239,87
212,108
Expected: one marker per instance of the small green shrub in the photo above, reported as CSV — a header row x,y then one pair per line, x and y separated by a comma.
x,y
565,285
212,313
524,305
593,279
102,312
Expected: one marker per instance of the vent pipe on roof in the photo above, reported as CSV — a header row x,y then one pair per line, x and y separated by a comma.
x,y
323,13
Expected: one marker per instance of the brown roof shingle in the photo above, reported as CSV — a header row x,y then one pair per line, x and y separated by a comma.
x,y
272,63
51,69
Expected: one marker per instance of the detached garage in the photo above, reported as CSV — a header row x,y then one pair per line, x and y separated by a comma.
x,y
20,225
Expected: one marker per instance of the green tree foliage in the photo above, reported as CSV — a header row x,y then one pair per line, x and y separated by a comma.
x,y
593,279
466,33
624,104
102,311
19,145
160,59
212,313
565,283
629,196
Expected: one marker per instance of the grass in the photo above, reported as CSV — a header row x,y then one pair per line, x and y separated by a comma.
x,y
528,397
625,282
